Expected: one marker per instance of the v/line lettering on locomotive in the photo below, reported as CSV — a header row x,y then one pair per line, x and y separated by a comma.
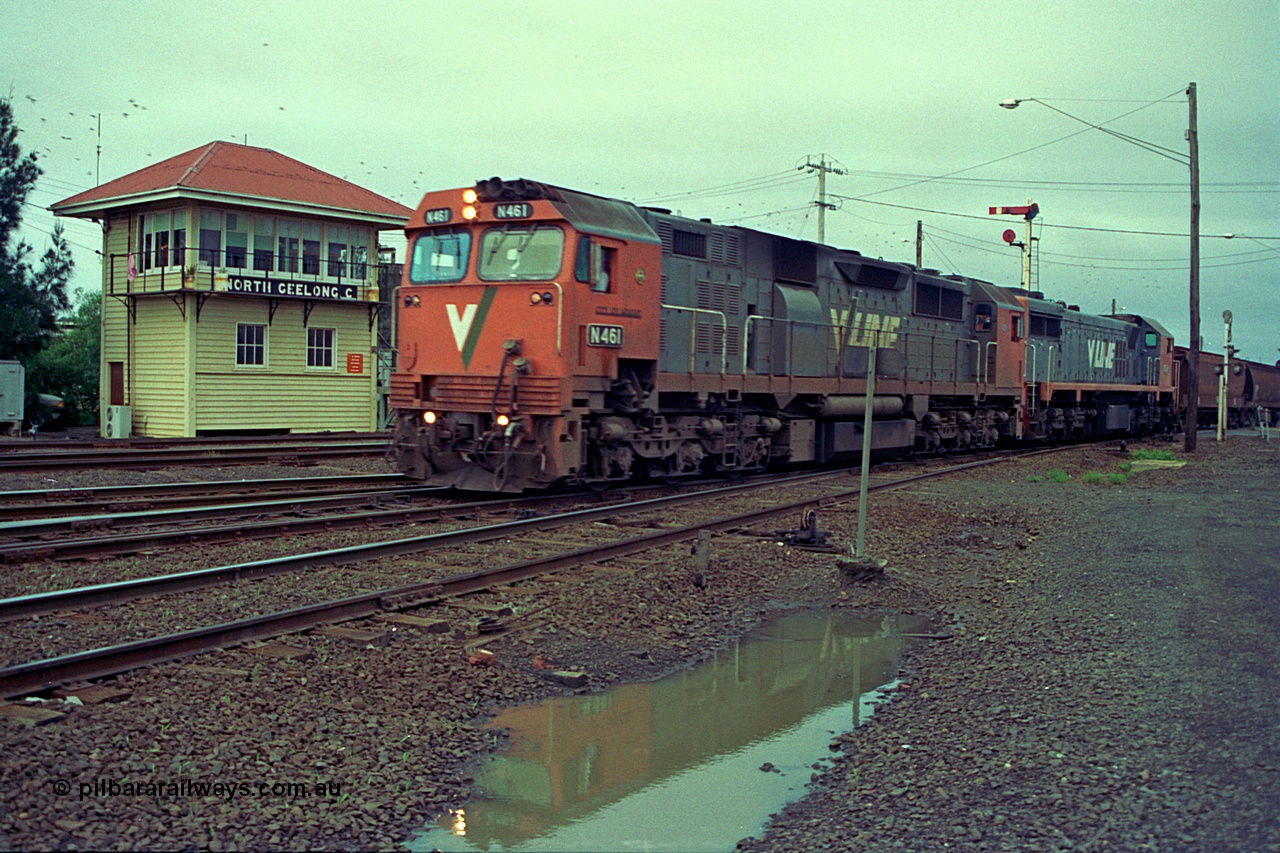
x,y
752,351
867,329
1102,354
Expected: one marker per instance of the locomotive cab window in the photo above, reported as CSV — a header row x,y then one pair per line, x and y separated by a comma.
x,y
520,253
439,256
982,318
1152,340
594,264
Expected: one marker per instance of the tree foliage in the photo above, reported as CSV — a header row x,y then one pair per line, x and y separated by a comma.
x,y
30,299
68,365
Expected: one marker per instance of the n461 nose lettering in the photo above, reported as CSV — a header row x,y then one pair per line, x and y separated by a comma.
x,y
600,335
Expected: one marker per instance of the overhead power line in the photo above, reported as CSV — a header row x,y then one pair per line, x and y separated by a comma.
x,y
865,200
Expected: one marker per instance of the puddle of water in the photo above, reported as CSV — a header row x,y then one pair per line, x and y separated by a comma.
x,y
676,764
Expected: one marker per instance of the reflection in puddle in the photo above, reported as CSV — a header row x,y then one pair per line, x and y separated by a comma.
x,y
677,764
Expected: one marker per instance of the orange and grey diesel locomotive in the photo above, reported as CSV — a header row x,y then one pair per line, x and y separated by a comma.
x,y
551,336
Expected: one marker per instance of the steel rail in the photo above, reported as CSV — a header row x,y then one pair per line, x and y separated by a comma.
x,y
95,443
40,675
35,604
37,503
145,458
33,527
130,543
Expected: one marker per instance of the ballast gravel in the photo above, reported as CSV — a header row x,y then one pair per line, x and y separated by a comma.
x,y
1089,697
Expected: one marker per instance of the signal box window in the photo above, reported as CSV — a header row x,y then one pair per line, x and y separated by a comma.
x,y
237,240
439,256
319,348
210,238
264,233
251,345
163,239
520,253
311,248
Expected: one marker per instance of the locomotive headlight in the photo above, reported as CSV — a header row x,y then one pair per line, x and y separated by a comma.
x,y
469,212
429,417
411,300
535,298
469,196
546,298
503,420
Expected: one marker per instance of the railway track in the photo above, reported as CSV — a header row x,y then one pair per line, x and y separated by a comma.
x,y
28,504
26,458
44,674
185,520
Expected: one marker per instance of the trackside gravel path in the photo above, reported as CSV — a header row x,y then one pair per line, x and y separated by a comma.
x,y
1117,689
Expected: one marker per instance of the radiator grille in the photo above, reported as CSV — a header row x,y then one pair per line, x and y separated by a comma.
x,y
536,395
402,391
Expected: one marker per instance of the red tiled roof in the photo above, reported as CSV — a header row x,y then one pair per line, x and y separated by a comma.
x,y
226,168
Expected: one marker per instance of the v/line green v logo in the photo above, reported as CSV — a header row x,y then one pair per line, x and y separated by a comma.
x,y
467,323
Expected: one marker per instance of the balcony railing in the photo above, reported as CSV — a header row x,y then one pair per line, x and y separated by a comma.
x,y
228,270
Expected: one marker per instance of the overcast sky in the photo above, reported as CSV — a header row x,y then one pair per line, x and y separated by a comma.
x,y
708,108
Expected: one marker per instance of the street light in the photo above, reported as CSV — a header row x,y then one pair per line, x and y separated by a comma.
x,y
1191,159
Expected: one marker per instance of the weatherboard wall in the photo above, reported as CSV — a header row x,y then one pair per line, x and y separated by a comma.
x,y
283,393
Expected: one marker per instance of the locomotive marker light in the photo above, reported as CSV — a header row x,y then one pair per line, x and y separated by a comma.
x,y
1192,160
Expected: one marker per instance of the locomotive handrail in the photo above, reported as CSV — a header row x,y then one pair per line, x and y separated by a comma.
x,y
693,335
559,315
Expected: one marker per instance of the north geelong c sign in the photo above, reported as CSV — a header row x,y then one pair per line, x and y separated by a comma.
x,y
292,289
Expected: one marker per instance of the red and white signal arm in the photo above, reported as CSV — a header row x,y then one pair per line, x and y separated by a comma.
x,y
1027,210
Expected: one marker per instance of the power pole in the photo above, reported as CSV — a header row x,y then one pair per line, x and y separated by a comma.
x,y
822,167
919,243
1193,347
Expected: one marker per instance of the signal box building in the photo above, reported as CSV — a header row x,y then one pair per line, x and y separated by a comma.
x,y
240,294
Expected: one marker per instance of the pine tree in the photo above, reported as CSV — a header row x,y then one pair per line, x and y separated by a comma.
x,y
29,299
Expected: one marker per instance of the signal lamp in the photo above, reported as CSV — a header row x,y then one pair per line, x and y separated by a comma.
x,y
503,420
468,212
535,298
429,417
469,196
546,297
